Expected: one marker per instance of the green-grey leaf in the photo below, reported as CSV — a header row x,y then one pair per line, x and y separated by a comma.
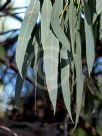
x,y
26,64
65,83
90,46
98,6
72,22
55,23
79,76
45,20
28,24
51,51
35,57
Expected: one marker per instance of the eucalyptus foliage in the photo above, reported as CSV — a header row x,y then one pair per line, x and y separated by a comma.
x,y
64,27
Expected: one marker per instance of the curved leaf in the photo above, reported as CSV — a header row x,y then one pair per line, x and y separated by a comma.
x,y
51,52
28,24
55,23
26,64
72,22
45,20
90,46
65,83
79,76
100,35
98,6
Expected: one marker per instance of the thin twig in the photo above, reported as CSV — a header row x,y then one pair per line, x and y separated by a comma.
x,y
12,67
5,5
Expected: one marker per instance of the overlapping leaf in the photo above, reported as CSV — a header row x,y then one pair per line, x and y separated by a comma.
x,y
90,46
100,35
79,77
35,56
51,51
45,20
65,82
26,64
98,6
72,22
50,42
18,88
55,23
51,48
25,32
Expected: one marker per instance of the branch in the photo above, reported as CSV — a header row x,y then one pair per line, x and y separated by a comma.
x,y
5,5
12,15
12,67
9,31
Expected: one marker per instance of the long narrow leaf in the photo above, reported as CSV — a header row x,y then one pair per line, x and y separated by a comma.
x,y
45,20
65,83
26,64
72,22
79,77
55,23
100,35
26,30
51,51
90,46
98,6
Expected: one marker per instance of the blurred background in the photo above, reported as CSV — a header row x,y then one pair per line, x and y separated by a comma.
x,y
39,120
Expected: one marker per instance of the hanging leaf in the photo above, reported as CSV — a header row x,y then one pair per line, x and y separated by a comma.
x,y
100,35
72,23
18,88
55,23
98,6
36,44
45,19
27,62
35,55
20,80
89,102
51,51
92,7
90,46
65,82
48,46
79,76
28,24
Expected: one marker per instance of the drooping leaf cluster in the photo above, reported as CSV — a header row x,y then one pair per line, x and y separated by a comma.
x,y
59,29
